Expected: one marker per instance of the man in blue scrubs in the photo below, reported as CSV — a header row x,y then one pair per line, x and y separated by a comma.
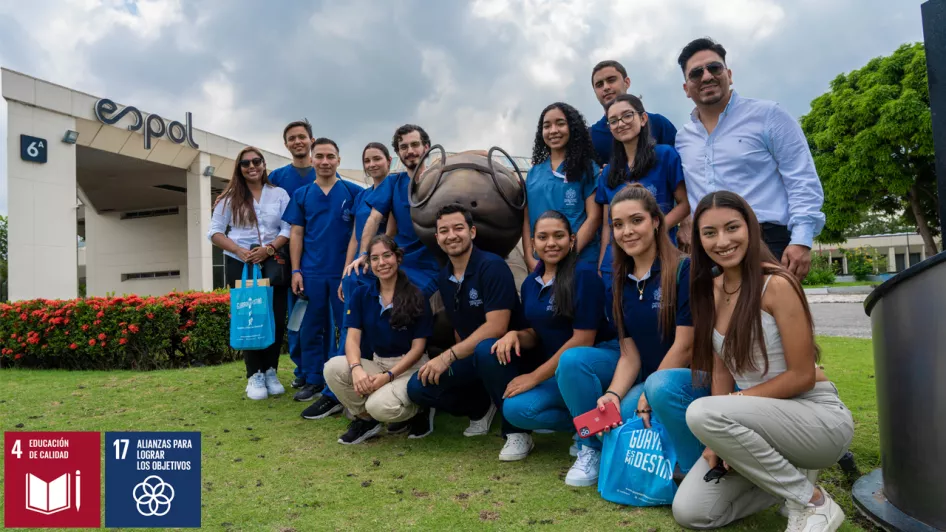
x,y
479,294
410,142
609,79
321,217
297,136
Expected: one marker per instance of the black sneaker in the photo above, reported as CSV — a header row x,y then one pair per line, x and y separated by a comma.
x,y
298,382
308,392
399,427
360,430
422,424
324,407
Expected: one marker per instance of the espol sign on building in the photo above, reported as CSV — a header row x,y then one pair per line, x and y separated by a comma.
x,y
154,125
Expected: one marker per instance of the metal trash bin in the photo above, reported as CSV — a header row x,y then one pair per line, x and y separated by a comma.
x,y
908,319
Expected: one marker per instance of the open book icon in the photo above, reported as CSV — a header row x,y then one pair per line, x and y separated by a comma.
x,y
48,497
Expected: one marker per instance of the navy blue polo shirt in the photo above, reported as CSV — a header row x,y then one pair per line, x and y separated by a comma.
x,y
642,316
661,180
587,312
661,129
290,179
487,285
328,221
366,314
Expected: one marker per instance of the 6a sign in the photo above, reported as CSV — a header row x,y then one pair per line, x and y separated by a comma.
x,y
32,149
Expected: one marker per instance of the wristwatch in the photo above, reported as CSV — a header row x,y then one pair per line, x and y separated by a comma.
x,y
270,250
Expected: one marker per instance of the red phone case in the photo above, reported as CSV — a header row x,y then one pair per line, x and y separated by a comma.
x,y
594,421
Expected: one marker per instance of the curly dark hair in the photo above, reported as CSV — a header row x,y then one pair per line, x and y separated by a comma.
x,y
579,152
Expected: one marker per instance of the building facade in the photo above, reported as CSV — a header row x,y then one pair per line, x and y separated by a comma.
x,y
107,197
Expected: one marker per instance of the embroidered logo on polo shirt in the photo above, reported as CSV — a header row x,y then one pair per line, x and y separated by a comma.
x,y
475,300
652,189
571,198
551,306
657,296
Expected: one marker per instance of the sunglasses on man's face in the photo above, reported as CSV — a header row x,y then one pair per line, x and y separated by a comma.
x,y
715,68
255,161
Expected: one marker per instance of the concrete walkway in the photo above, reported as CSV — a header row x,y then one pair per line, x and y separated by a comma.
x,y
840,318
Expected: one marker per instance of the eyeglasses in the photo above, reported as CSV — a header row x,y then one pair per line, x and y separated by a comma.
x,y
715,68
255,161
627,117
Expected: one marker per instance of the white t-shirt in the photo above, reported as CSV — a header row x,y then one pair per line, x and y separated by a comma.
x,y
269,210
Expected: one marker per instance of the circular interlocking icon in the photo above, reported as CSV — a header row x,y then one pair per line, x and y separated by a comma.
x,y
153,496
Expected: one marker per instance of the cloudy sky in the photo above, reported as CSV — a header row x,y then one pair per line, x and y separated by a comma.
x,y
474,74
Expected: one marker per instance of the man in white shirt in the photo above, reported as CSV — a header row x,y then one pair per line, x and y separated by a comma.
x,y
753,148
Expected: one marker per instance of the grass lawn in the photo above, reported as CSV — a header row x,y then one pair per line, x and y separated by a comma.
x,y
266,468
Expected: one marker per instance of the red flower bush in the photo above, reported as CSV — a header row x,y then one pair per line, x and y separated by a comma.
x,y
179,329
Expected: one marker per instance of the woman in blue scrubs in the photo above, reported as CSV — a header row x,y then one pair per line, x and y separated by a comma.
x,y
637,159
376,161
563,178
563,305
648,375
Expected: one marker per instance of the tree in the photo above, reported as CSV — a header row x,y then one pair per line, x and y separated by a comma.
x,y
880,224
871,137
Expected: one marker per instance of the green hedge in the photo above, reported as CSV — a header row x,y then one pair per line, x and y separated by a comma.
x,y
131,332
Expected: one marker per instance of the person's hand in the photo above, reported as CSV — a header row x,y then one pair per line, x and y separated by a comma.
x,y
355,264
297,286
379,380
361,381
434,368
341,293
797,259
602,402
712,458
244,255
643,410
505,347
258,255
520,384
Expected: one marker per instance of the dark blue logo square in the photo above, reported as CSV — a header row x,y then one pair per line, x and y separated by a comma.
x,y
152,479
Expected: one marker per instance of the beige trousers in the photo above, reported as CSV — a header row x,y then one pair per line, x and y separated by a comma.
x,y
388,404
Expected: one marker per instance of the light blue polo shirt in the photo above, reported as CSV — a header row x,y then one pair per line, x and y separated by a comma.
x,y
549,190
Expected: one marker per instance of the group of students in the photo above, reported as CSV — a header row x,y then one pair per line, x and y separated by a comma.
x,y
612,310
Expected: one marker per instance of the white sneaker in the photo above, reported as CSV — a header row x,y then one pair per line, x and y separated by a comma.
x,y
480,427
573,450
256,387
810,518
584,472
517,447
273,386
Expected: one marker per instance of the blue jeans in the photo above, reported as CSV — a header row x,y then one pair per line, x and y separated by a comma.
x,y
669,392
317,334
583,374
349,283
540,408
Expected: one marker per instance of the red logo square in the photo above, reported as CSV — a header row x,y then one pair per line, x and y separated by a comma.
x,y
52,479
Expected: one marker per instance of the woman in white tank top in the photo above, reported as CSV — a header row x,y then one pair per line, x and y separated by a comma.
x,y
773,418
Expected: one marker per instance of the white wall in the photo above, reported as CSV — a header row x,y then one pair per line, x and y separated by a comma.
x,y
115,246
41,199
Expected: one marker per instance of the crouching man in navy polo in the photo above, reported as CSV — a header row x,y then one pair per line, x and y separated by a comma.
x,y
479,294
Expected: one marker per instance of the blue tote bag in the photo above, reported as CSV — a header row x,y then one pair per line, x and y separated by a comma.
x,y
252,325
637,465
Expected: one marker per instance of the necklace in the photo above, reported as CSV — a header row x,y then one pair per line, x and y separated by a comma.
x,y
730,294
640,289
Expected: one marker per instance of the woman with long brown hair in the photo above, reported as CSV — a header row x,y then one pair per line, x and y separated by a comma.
x,y
253,209
774,418
394,318
647,376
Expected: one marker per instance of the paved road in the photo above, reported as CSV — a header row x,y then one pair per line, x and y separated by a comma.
x,y
841,319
